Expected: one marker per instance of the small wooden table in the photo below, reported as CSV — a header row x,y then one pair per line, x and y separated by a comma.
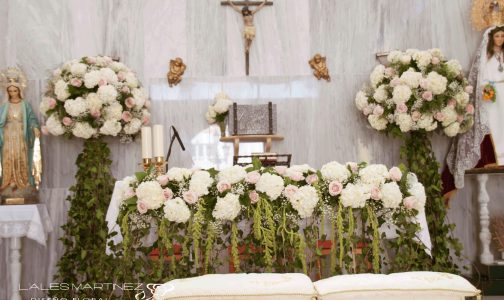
x,y
265,139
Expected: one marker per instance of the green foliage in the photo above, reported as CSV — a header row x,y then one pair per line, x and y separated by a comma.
x,y
84,259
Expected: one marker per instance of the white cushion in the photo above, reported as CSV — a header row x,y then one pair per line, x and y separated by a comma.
x,y
409,285
239,286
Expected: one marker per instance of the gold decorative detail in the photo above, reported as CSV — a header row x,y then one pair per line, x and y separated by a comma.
x,y
14,201
159,164
146,163
318,64
177,69
486,13
13,76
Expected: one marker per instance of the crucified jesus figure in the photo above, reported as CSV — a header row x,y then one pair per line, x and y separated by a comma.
x,y
248,22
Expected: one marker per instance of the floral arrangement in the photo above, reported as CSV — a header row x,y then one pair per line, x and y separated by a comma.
x,y
281,208
417,91
219,109
489,92
92,97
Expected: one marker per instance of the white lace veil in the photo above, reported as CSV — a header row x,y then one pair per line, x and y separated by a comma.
x,y
465,150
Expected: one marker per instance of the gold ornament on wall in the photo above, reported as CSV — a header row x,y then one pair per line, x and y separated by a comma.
x,y
177,69
486,13
318,64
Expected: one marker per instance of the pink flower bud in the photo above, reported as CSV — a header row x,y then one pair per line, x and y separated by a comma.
x,y
147,103
395,174
223,186
126,116
424,84
290,191
145,120
52,103
378,110
162,179
376,193
130,102
76,82
311,179
452,102
427,95
102,82
435,60
168,194
416,115
395,82
469,89
141,207
335,188
253,177
439,116
409,202
254,197
281,169
401,108
44,130
95,113
190,197
125,90
67,121
470,109
460,118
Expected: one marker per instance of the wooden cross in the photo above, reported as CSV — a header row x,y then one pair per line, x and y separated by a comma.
x,y
248,21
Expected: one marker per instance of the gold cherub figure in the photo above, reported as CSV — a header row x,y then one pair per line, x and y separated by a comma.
x,y
486,13
177,69
318,64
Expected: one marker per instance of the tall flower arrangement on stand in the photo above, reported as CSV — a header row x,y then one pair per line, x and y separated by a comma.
x,y
218,111
416,93
91,98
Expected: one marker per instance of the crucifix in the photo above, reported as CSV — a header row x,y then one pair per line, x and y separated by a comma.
x,y
249,30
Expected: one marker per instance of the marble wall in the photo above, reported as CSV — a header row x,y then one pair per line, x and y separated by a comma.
x,y
318,119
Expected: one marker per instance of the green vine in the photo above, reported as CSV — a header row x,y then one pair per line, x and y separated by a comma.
x,y
376,239
197,230
268,234
234,247
333,246
340,235
301,248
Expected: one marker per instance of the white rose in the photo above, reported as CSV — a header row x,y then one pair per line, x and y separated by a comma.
x,y
117,66
270,184
354,196
417,190
175,210
401,94
377,122
335,171
391,195
222,105
227,208
151,193
210,115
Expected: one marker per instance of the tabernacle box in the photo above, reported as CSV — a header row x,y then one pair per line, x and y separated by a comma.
x,y
252,119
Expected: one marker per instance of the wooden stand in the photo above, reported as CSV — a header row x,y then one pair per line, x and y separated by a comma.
x,y
237,139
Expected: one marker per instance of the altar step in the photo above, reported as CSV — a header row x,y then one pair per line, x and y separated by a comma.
x,y
493,284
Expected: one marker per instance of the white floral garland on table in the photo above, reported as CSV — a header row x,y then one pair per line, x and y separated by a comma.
x,y
219,109
418,90
92,97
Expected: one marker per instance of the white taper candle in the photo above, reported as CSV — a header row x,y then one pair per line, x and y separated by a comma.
x,y
146,142
158,136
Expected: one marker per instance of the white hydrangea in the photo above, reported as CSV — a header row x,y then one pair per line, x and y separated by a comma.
x,y
232,174
361,100
417,190
91,79
304,201
210,115
411,78
304,168
436,83
227,208
133,126
404,121
113,111
401,94
200,182
109,75
450,115
61,90
178,174
425,121
380,94
75,107
462,98
377,122
394,56
454,67
374,174
354,195
107,93
222,105
117,66
93,102
452,129
423,59
83,130
436,52
111,127
140,96
377,75
176,210
151,193
54,125
78,69
44,105
391,195
335,171
270,184
131,80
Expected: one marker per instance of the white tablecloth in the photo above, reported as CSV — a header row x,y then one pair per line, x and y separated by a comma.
x,y
32,221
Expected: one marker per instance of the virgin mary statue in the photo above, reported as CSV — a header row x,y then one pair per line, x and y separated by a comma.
x,y
19,128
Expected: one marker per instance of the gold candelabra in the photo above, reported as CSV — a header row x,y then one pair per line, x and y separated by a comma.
x,y
146,163
159,164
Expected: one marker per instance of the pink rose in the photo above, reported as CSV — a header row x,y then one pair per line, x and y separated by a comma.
x,y
401,108
128,193
439,116
145,120
424,84
76,82
223,186
125,90
368,109
44,130
120,76
409,202
389,72
460,118
353,166
91,60
427,95
378,110
52,103
67,121
311,179
147,104
102,82
296,176
126,116
162,179
416,115
435,61
335,188
190,197
469,89
253,177
254,197
168,194
130,102
395,82
95,113
107,59
395,174
281,169
376,193
452,102
470,109
142,207
290,191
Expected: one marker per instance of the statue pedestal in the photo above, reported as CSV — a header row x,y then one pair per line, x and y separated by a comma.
x,y
20,196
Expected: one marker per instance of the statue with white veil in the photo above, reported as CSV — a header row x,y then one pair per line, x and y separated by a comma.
x,y
19,128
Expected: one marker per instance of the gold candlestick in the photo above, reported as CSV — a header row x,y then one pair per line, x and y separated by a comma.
x,y
146,162
159,164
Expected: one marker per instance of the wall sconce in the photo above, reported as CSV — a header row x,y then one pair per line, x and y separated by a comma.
x,y
381,57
